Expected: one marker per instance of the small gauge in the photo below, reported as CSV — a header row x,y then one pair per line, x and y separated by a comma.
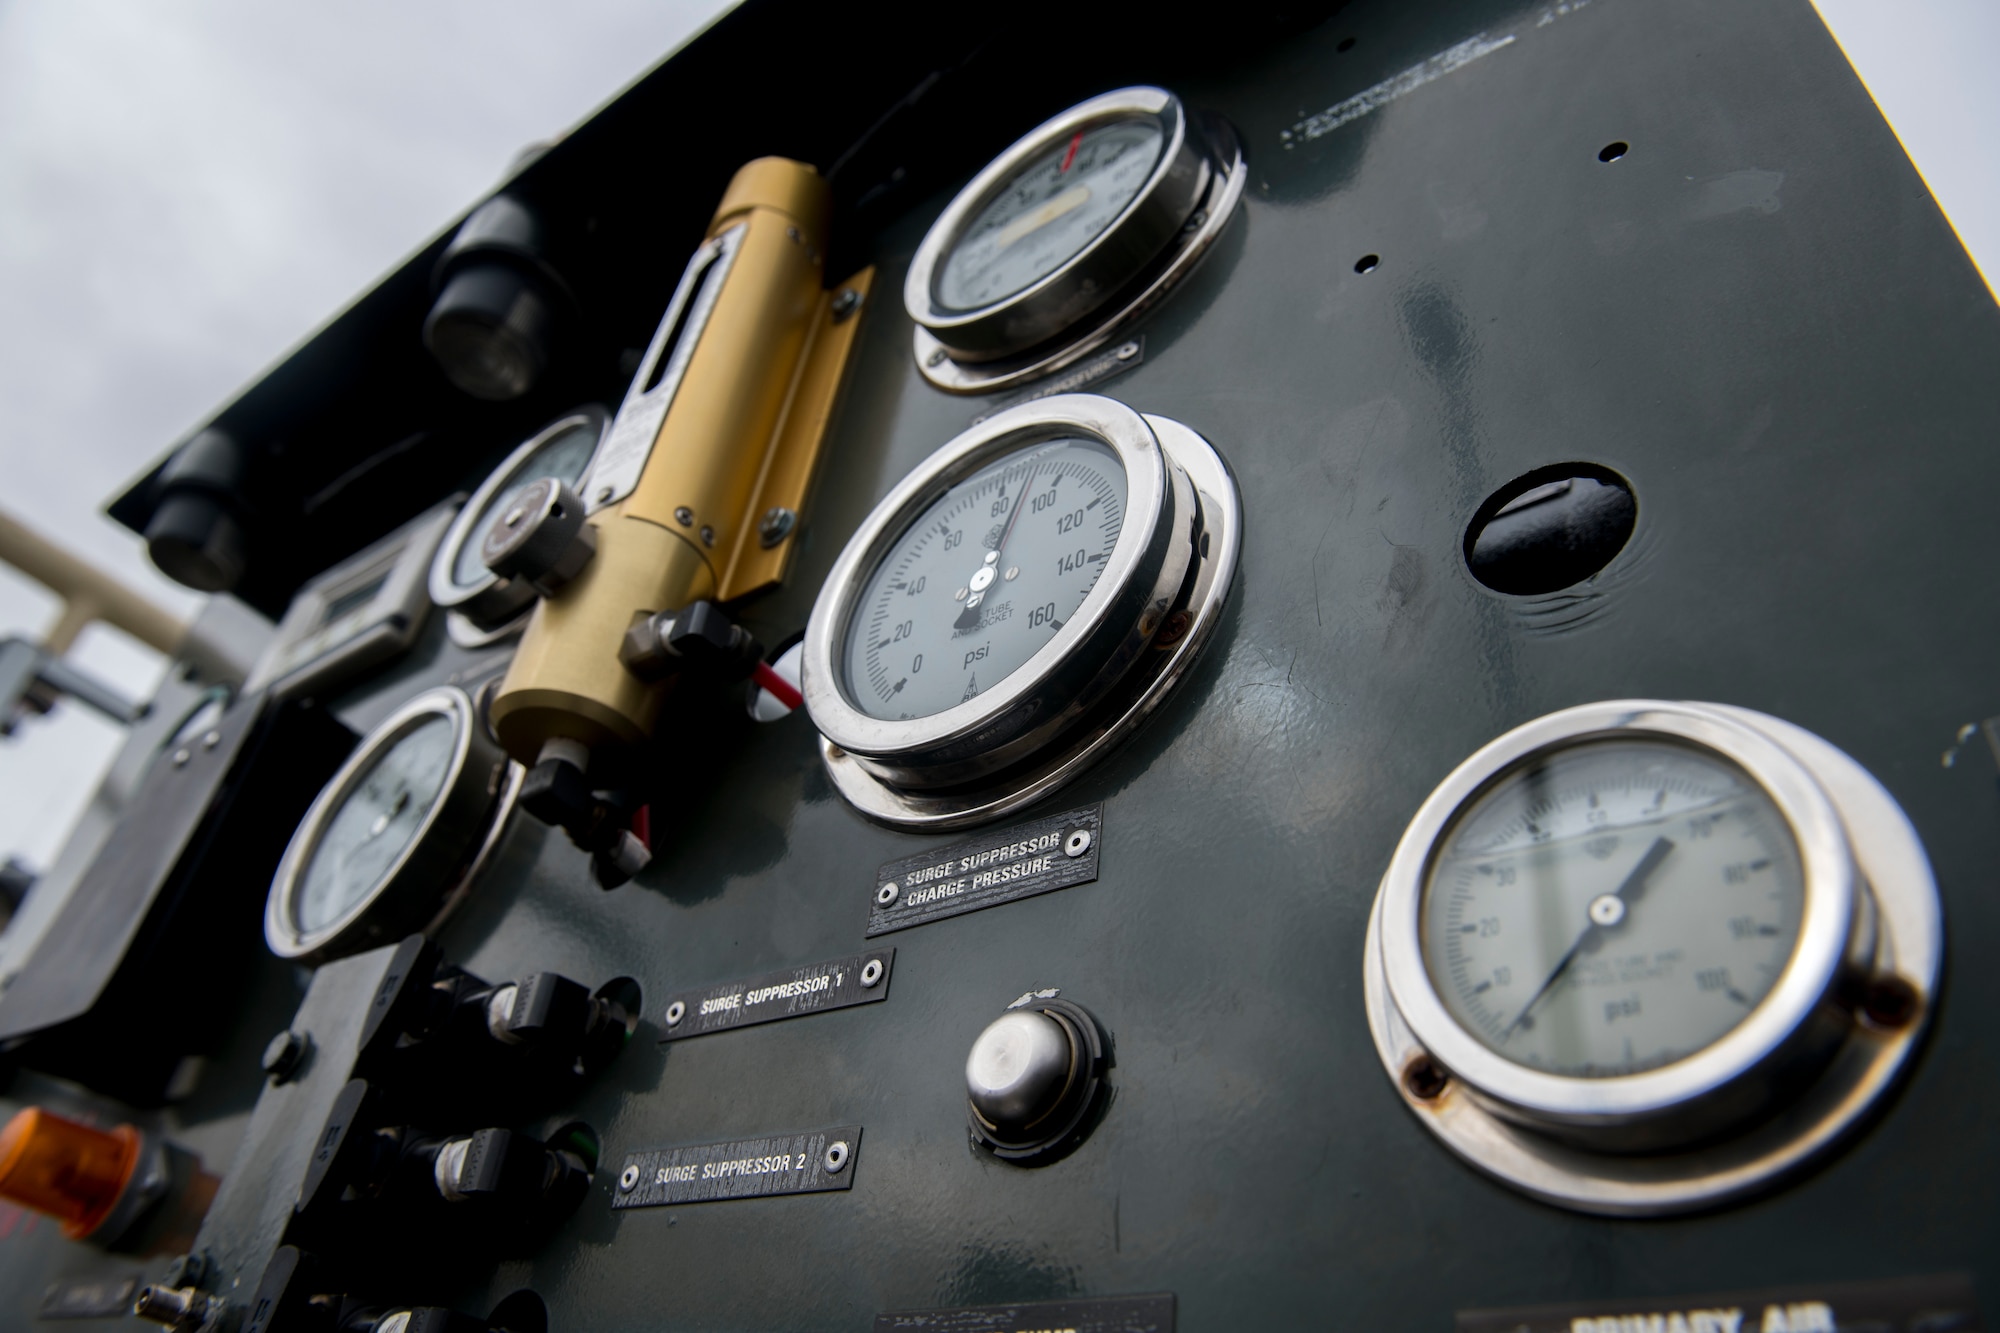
x,y
1016,605
394,841
1624,934
484,607
1067,236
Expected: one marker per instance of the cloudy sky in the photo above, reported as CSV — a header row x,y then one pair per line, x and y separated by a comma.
x,y
189,187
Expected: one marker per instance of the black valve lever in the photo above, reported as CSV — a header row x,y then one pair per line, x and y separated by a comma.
x,y
697,638
372,1173
452,1043
298,1293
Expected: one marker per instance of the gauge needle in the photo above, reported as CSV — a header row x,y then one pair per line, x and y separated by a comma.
x,y
969,618
1075,197
1634,885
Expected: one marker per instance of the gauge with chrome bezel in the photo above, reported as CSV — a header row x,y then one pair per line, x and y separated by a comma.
x,y
1650,953
396,838
1015,605
482,606
1067,236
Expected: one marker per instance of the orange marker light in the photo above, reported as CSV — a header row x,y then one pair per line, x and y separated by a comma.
x,y
68,1171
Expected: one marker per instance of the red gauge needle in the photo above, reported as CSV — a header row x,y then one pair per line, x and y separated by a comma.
x,y
1070,156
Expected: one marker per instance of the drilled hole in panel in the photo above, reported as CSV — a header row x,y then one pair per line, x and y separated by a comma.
x,y
1551,529
1611,152
1367,263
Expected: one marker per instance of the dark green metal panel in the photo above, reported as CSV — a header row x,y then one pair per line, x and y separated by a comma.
x,y
1757,316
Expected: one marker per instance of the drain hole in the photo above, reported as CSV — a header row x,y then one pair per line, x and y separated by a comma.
x,y
1550,529
1367,263
1611,152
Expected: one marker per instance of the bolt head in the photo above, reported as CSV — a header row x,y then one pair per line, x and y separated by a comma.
x,y
284,1054
887,894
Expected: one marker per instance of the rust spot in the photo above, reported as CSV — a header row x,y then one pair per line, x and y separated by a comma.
x,y
1424,1080
1174,630
1890,1002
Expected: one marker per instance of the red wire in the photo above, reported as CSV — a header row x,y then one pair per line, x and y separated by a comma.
x,y
776,686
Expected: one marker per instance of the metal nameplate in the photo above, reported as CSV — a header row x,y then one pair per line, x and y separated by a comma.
x,y
1053,852
1895,1305
101,1298
1098,1314
740,1169
861,978
1082,377
614,472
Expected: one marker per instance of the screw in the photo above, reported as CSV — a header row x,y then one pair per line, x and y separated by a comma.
x,y
186,1271
1890,1002
871,972
845,302
707,535
684,516
936,358
776,525
1077,843
1126,351
836,1157
675,1013
284,1054
1423,1080
835,752
210,741
181,757
1013,572
604,494
792,235
1194,223
514,515
961,594
1174,630
886,894
629,1177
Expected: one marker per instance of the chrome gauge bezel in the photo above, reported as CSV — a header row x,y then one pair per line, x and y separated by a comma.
x,y
435,871
1082,303
1765,1097
1102,672
489,608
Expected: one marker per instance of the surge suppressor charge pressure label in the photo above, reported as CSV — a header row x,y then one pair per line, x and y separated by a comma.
x,y
809,1163
1004,866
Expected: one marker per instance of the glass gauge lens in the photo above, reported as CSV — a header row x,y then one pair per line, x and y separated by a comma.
x,y
563,457
1049,212
1612,907
375,825
984,578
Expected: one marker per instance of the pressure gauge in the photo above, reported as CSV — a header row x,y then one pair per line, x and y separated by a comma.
x,y
395,840
484,607
1641,956
1015,606
1067,236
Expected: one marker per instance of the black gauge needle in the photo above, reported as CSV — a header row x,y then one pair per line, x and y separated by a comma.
x,y
1634,885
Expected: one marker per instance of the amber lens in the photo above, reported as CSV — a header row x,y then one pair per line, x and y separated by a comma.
x,y
68,1171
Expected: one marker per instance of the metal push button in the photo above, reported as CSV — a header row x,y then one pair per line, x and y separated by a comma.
x,y
1034,1078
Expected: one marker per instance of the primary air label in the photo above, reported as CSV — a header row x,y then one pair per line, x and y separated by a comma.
x,y
1101,1314
1079,378
859,979
1053,852
83,1298
1898,1305
740,1169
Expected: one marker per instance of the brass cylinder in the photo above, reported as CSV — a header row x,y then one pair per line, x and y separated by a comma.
x,y
566,681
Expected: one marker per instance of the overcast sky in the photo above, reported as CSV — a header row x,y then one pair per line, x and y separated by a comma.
x,y
189,187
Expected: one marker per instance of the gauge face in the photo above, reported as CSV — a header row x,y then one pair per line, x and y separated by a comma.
x,y
1049,212
1612,907
380,819
983,578
564,457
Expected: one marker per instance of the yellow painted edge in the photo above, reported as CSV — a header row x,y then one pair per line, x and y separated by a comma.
x,y
1936,199
789,464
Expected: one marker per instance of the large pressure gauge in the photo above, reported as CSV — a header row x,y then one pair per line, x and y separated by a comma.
x,y
483,607
1640,956
1067,236
395,840
1016,605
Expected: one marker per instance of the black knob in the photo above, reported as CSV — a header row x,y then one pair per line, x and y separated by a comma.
x,y
540,538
